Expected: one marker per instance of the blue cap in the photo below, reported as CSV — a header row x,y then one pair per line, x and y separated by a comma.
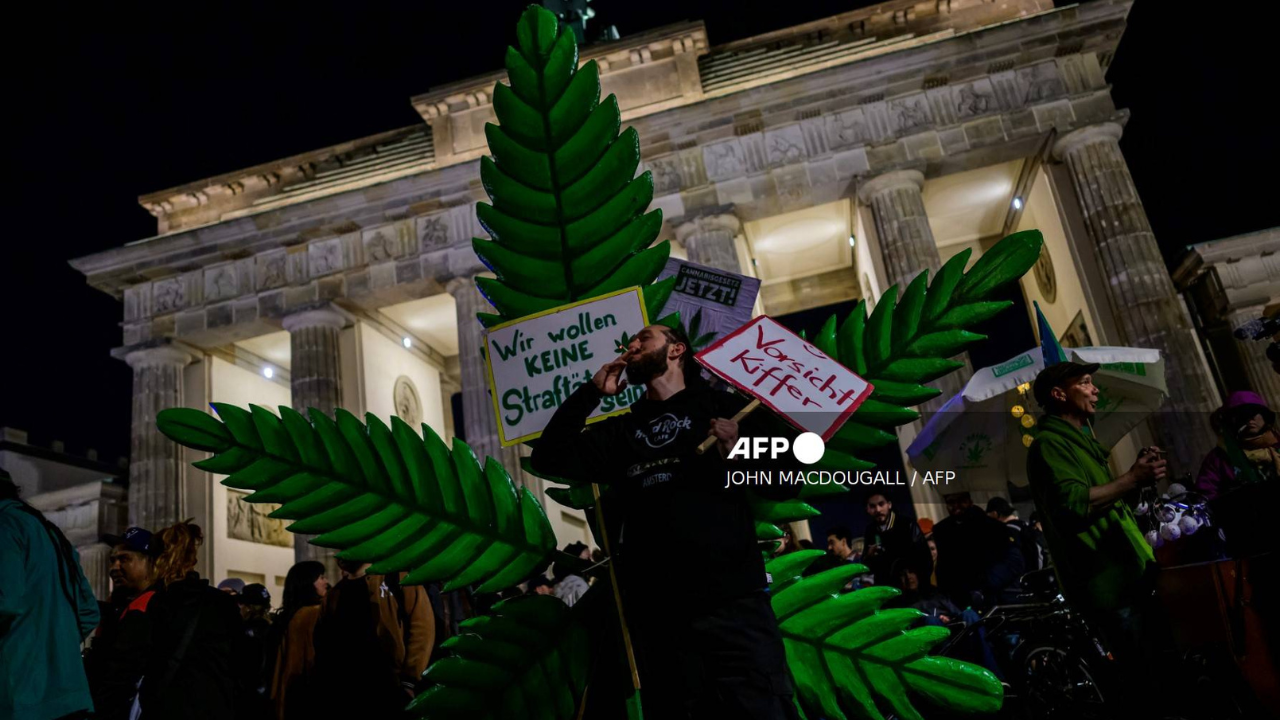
x,y
137,540
235,585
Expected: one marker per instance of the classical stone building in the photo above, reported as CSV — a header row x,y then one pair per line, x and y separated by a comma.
x,y
1229,283
80,493
831,160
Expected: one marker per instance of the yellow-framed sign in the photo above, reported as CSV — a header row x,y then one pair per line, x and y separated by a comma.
x,y
537,361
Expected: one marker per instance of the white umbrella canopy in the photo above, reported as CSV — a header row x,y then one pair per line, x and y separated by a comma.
x,y
982,433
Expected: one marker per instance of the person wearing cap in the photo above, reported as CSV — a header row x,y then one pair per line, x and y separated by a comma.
x,y
232,586
1024,537
1103,563
46,609
252,656
118,653
1241,475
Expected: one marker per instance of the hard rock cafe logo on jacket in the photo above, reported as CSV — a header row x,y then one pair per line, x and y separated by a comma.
x,y
663,429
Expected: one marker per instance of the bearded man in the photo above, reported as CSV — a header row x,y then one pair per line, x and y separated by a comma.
x,y
691,570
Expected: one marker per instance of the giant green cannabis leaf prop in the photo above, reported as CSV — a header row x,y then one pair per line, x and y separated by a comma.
x,y
379,495
568,222
568,216
846,652
528,659
905,344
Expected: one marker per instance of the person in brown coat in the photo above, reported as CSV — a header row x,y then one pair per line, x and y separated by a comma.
x,y
376,634
293,686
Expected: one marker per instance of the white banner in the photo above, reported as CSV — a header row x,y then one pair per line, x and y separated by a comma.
x,y
791,376
536,362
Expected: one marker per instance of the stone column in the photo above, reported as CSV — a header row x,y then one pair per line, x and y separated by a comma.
x,y
902,227
1146,307
1253,355
95,561
709,240
315,367
479,426
907,247
315,362
155,463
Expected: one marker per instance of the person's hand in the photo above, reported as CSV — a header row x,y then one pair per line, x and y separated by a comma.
x,y
1150,468
609,379
871,551
725,433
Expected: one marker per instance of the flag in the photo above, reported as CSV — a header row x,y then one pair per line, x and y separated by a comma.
x,y
1049,347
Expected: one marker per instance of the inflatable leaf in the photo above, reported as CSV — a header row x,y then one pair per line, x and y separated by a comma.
x,y
852,659
529,659
567,217
378,494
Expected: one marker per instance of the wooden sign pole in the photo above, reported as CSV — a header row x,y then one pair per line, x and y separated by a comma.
x,y
706,444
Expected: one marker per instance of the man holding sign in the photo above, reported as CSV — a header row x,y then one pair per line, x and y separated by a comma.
x,y
707,638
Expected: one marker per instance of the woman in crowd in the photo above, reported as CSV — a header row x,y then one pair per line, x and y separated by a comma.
x,y
189,670
1241,476
295,626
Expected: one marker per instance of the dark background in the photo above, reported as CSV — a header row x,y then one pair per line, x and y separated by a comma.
x,y
109,103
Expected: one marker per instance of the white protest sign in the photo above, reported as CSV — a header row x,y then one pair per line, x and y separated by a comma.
x,y
719,301
797,380
536,362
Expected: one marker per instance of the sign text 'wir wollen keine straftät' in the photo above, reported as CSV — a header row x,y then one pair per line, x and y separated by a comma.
x,y
537,361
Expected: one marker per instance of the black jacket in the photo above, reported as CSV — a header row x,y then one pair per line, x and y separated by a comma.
x,y
680,525
118,654
902,543
976,553
189,671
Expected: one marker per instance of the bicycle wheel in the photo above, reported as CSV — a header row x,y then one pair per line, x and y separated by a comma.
x,y
1058,683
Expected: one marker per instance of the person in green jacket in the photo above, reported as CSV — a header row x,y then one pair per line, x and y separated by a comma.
x,y
46,610
1103,563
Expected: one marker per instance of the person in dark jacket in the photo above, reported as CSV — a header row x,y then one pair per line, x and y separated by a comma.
x,y
254,654
715,651
118,652
375,634
891,540
977,558
46,609
189,672
918,593
1024,536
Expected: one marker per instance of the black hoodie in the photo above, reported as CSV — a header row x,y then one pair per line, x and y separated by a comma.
x,y
680,524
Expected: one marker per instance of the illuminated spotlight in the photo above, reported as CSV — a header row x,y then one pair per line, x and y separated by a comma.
x,y
408,342
1017,203
268,373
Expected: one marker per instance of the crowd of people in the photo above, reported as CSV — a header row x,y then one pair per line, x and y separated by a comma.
x,y
167,644
970,560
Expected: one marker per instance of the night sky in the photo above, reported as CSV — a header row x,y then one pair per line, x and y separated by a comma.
x,y
114,102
